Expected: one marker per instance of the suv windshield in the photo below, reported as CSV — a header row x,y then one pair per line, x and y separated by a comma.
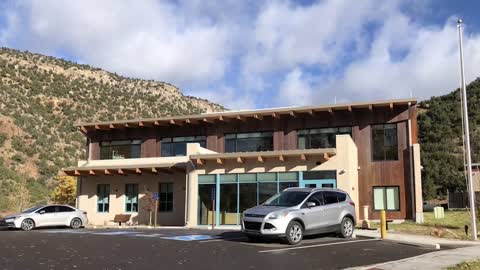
x,y
287,198
31,210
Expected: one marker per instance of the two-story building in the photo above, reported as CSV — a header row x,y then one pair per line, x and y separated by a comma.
x,y
213,166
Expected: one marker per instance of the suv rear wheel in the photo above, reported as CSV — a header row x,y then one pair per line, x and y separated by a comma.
x,y
294,233
346,227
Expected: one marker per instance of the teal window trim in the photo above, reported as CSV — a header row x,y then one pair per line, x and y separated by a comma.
x,y
131,198
103,192
217,199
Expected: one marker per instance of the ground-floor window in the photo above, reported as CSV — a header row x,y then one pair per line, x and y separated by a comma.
x,y
386,198
103,198
131,197
165,202
206,188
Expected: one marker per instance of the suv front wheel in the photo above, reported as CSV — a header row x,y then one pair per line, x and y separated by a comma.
x,y
294,233
347,227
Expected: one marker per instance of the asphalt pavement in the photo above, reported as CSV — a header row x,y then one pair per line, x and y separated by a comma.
x,y
187,249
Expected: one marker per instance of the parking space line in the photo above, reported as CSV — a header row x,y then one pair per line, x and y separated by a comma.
x,y
319,245
224,239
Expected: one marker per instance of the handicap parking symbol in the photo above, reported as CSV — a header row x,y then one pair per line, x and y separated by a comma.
x,y
193,237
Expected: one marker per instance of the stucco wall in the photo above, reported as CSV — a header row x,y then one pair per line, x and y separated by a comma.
x,y
87,199
345,162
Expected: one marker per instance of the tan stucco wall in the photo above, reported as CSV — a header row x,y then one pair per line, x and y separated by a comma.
x,y
417,171
87,199
345,162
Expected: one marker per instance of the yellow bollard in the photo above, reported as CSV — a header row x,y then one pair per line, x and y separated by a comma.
x,y
383,224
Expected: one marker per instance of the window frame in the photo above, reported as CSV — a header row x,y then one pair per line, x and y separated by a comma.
x,y
308,134
372,141
385,198
107,197
169,142
235,138
166,201
133,142
131,203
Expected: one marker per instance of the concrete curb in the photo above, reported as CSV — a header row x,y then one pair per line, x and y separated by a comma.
x,y
415,243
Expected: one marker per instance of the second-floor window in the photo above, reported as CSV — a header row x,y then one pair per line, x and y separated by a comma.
x,y
320,137
177,146
384,142
120,149
249,142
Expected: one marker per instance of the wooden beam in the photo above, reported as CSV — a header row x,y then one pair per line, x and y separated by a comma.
x,y
239,117
107,172
83,129
156,123
370,107
326,156
220,118
260,159
330,110
292,113
120,171
391,105
138,171
91,172
219,161
349,108
199,161
97,127
239,160
187,121
310,112
281,158
205,120
76,173
257,116
303,157
172,122
275,115
154,170
141,124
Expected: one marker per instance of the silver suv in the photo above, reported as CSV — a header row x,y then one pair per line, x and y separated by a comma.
x,y
296,212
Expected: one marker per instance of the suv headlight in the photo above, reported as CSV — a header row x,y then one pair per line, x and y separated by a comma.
x,y
278,215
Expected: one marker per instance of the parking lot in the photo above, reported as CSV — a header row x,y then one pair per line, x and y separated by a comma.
x,y
182,249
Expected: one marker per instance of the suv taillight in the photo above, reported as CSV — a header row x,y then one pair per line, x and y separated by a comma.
x,y
84,213
352,203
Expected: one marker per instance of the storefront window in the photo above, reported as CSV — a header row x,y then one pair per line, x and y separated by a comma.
x,y
248,191
320,137
228,204
206,185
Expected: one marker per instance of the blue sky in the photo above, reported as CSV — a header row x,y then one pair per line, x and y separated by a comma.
x,y
257,54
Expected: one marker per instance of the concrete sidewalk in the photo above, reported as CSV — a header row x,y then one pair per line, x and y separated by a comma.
x,y
420,240
468,251
434,260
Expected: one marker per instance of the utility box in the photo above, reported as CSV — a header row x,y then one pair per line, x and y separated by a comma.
x,y
438,212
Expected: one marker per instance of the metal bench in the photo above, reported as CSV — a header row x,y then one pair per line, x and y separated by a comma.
x,y
122,218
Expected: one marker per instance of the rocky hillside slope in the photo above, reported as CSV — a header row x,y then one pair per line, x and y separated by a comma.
x,y
40,99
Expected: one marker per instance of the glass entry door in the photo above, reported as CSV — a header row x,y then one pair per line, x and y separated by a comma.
x,y
330,183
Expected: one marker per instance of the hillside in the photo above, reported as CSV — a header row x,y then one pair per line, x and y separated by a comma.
x,y
40,99
440,136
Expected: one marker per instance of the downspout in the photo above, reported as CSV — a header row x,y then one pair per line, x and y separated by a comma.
x,y
410,150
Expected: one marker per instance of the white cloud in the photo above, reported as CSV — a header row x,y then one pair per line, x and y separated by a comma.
x,y
247,54
295,89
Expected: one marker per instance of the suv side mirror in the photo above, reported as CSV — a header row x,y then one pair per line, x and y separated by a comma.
x,y
311,204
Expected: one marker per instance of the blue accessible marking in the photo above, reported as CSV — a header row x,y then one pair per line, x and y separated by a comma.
x,y
193,237
147,235
115,233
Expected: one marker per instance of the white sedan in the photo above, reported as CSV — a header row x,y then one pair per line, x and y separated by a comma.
x,y
45,216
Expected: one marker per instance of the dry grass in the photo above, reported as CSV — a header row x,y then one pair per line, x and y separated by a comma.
x,y
474,265
452,226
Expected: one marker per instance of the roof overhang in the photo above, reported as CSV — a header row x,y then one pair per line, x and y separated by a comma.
x,y
323,154
168,168
206,118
